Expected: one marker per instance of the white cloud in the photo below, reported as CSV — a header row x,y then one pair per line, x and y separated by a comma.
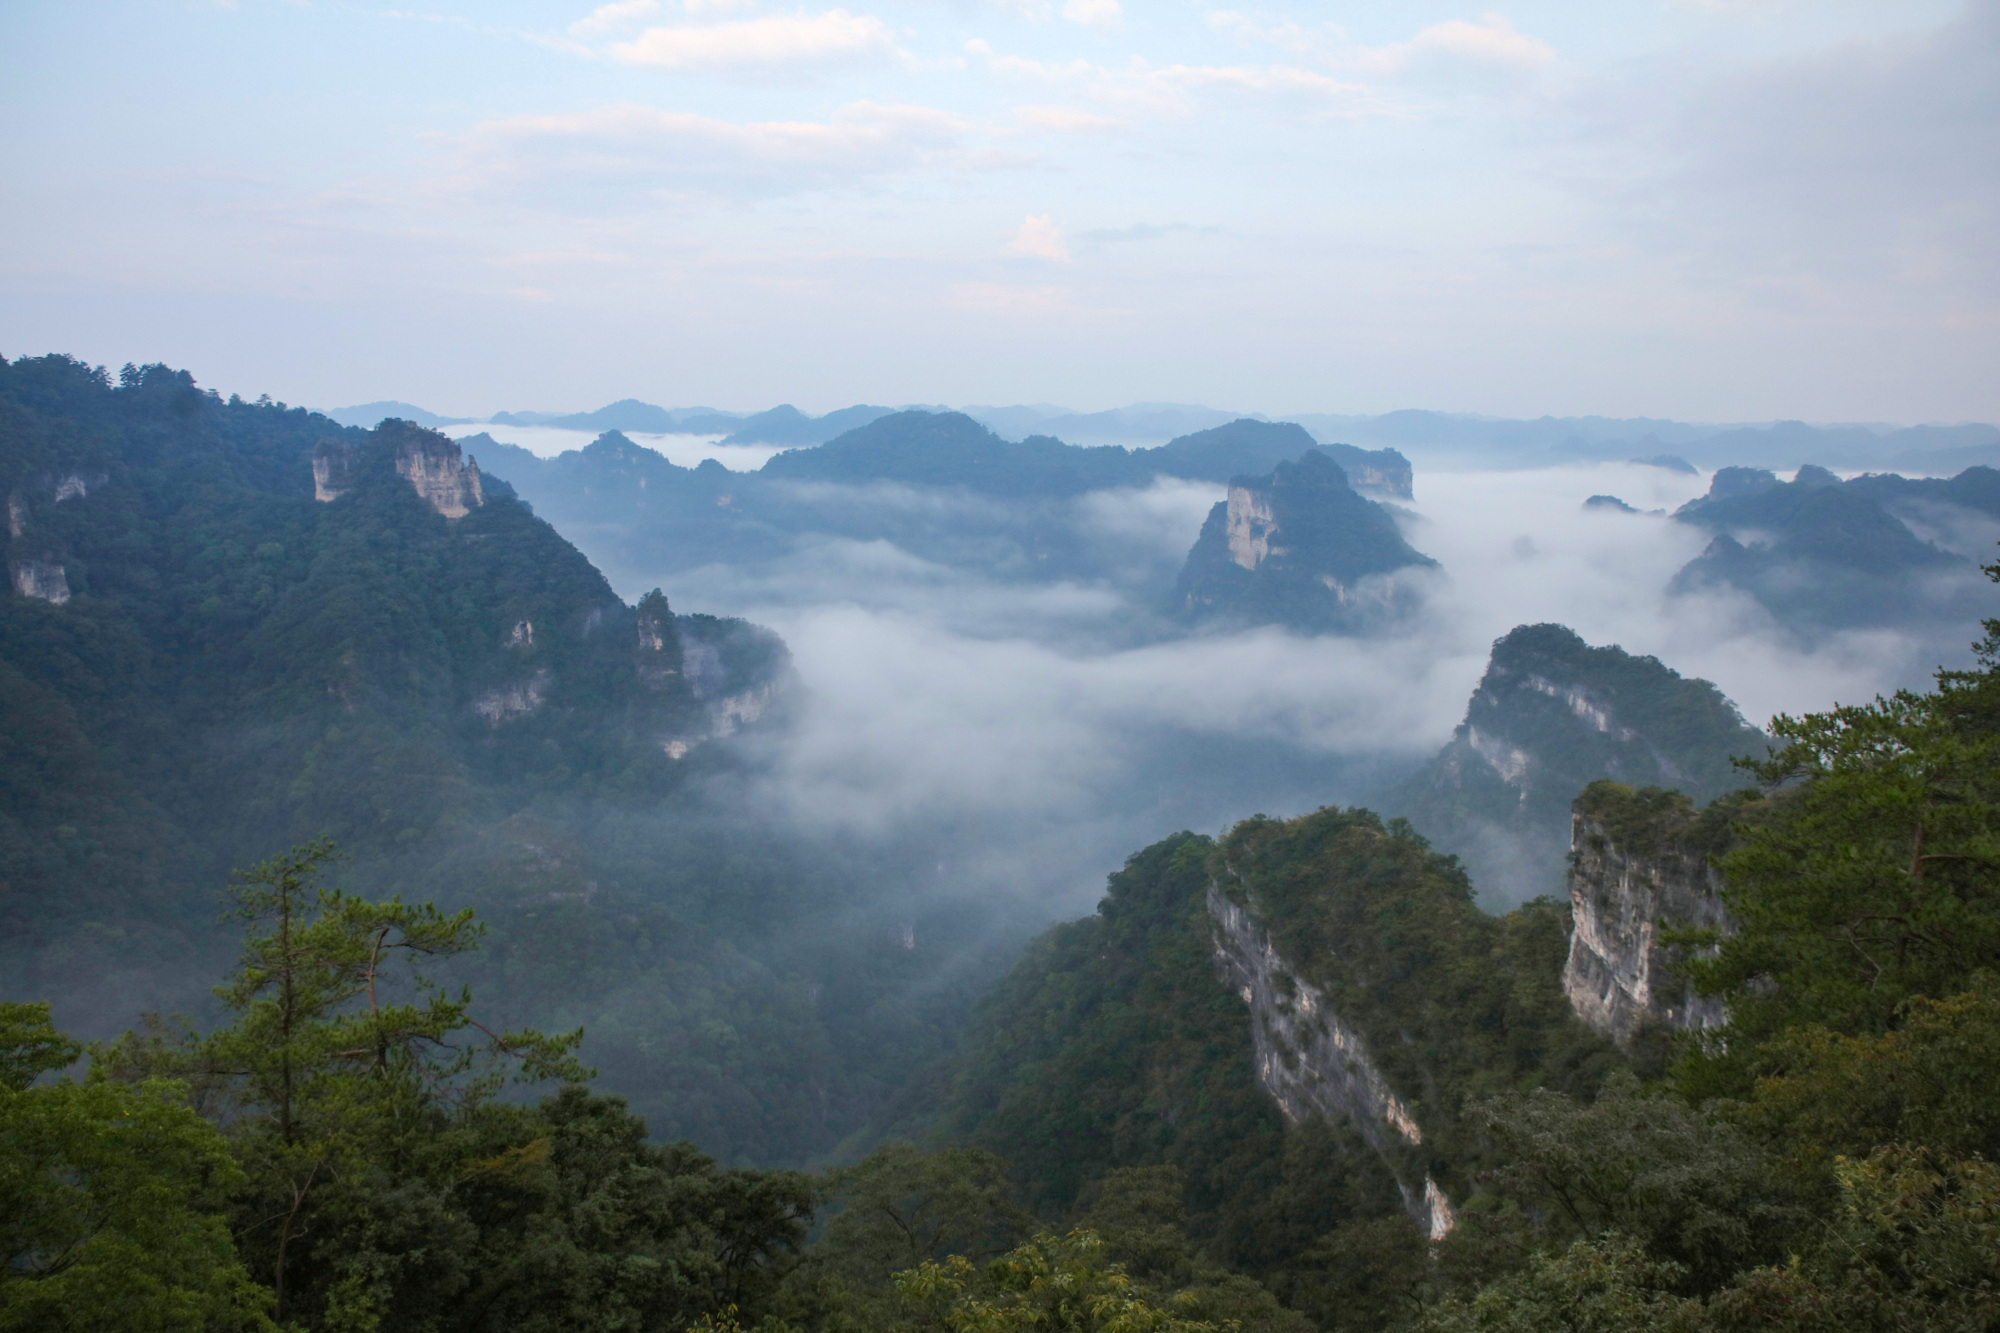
x,y
1491,42
1245,29
1039,238
1166,90
777,40
632,153
1094,13
611,17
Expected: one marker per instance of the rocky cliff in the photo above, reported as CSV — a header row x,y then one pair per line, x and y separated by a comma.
x,y
1311,1061
427,460
1551,715
1300,548
1639,869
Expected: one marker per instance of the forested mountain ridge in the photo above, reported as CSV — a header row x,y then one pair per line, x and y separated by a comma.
x,y
1821,554
462,702
1550,715
193,629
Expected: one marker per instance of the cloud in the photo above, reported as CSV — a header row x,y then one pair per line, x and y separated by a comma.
x,y
761,43
1143,88
1861,181
1094,13
1039,238
1492,42
632,153
937,697
611,17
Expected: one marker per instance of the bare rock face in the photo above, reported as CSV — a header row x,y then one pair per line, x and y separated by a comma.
x,y
45,579
1310,1060
430,463
334,466
1299,548
1639,865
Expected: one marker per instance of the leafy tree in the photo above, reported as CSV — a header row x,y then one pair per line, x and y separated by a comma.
x,y
1697,1191
112,1200
1050,1284
1873,882
335,1079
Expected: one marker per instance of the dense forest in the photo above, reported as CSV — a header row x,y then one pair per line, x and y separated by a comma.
x,y
347,693
339,1151
232,665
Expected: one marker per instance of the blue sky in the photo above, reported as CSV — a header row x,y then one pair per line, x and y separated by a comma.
x,y
1704,209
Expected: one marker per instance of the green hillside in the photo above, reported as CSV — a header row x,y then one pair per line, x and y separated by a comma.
x,y
230,666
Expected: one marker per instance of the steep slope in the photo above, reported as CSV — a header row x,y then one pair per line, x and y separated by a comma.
x,y
1639,868
1820,554
1295,1016
1551,715
1301,548
245,626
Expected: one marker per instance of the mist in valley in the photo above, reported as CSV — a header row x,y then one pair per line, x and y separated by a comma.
x,y
996,746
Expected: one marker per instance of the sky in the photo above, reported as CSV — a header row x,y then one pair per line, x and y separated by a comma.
x,y
1719,210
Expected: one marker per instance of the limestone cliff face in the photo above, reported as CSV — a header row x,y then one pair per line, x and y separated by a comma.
x,y
1300,548
1310,1060
428,461
1639,865
44,579
334,465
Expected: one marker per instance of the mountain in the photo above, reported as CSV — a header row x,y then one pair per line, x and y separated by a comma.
x,y
631,414
785,424
234,627
367,414
1821,554
1249,447
1551,715
1301,548
1292,1019
951,449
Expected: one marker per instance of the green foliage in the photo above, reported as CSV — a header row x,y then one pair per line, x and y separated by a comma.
x,y
242,667
1872,883
1051,1284
1694,1188
112,1201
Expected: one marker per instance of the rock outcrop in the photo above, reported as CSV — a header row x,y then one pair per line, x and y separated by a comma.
x,y
335,467
1310,1060
44,579
1639,868
1299,548
1551,715
428,461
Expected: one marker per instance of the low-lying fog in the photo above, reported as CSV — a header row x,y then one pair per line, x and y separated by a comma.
x,y
1024,740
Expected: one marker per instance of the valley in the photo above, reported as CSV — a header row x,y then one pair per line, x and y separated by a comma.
x,y
782,797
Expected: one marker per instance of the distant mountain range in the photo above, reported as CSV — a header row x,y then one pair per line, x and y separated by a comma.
x,y
1500,442
937,484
